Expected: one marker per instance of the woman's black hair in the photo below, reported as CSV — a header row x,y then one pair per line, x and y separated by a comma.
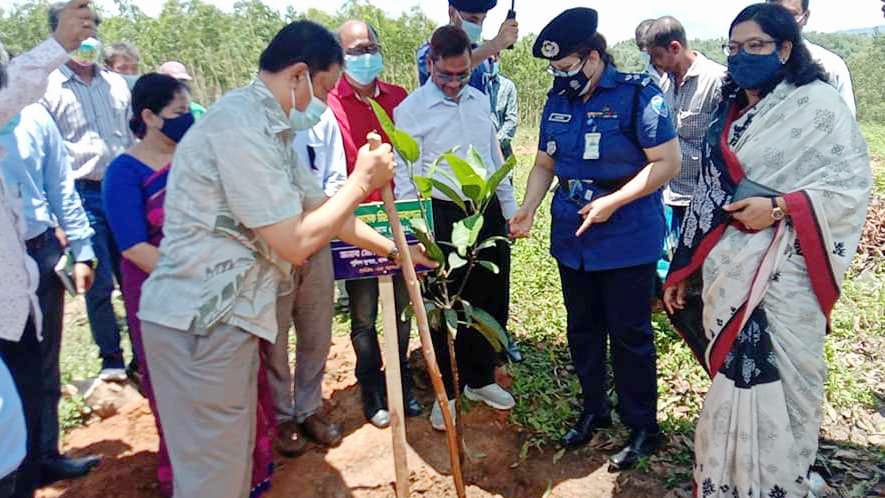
x,y
777,22
302,41
152,91
598,44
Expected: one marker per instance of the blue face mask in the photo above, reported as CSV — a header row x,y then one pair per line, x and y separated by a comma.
x,y
364,68
175,128
473,30
751,72
307,119
131,79
9,127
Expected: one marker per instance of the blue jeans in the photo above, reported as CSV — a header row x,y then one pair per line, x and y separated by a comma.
x,y
99,304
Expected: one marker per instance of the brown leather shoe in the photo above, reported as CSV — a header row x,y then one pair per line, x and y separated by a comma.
x,y
288,441
321,430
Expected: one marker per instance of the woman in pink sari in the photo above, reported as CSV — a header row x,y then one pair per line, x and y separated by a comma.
x,y
134,189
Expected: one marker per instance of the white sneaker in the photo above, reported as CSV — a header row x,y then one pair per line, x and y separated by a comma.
x,y
113,375
492,395
436,416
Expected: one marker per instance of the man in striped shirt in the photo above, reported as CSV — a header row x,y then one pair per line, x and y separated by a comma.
x,y
90,106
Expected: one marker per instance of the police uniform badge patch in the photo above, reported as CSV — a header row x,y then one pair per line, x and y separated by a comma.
x,y
551,148
550,49
660,106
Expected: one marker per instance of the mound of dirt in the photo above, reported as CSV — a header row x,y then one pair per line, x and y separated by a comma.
x,y
362,467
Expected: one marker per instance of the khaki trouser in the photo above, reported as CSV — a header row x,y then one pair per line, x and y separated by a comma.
x,y
310,307
206,388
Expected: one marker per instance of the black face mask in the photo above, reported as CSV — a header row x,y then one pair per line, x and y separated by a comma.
x,y
572,86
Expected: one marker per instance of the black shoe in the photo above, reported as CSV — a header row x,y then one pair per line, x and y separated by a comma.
x,y
513,352
582,432
61,467
375,407
641,444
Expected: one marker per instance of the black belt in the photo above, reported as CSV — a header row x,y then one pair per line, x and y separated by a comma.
x,y
40,240
609,185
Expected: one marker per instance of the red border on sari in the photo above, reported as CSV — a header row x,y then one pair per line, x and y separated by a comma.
x,y
814,248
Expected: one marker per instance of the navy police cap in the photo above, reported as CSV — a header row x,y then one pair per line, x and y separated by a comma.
x,y
473,6
565,33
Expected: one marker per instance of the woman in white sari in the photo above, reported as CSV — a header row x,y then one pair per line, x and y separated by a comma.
x,y
770,232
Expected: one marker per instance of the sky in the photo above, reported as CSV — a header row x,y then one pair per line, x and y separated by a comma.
x,y
617,18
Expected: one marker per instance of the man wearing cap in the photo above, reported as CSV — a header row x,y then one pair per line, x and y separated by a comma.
x,y
469,15
178,71
608,137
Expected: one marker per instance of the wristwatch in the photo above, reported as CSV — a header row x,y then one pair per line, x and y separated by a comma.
x,y
776,211
393,255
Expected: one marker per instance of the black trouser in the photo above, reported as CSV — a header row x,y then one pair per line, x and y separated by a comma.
x,y
484,290
23,358
613,305
363,296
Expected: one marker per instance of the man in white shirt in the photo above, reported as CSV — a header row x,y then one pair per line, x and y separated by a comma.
x,y
834,66
443,114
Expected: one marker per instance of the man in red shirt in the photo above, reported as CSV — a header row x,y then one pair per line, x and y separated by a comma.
x,y
348,101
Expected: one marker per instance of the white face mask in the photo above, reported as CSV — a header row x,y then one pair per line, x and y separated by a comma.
x,y
308,118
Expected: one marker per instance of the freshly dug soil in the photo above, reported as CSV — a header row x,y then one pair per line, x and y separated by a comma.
x,y
362,466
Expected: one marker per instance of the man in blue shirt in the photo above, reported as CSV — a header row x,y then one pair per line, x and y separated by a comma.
x,y
469,15
37,169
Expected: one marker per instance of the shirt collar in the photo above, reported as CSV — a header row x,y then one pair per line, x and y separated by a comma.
x,y
695,69
276,118
345,89
609,77
435,96
69,73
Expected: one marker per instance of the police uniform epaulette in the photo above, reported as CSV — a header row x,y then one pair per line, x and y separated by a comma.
x,y
640,79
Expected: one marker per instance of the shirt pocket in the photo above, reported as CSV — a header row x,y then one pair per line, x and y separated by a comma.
x,y
612,139
561,141
690,125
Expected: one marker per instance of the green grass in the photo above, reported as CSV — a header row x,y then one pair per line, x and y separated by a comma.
x,y
875,135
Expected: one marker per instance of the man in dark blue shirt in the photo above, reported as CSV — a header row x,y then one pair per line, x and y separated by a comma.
x,y
469,15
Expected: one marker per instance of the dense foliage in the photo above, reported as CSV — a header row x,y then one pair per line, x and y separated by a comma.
x,y
221,49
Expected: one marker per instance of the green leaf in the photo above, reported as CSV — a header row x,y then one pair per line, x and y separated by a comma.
x,y
450,193
384,119
466,231
488,265
490,329
419,227
456,261
492,242
497,177
475,161
467,308
471,183
424,184
406,146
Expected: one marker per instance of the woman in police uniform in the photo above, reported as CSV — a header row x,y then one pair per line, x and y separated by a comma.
x,y
608,138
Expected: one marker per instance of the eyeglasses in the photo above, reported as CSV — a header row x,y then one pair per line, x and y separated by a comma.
x,y
373,48
755,46
567,73
448,77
